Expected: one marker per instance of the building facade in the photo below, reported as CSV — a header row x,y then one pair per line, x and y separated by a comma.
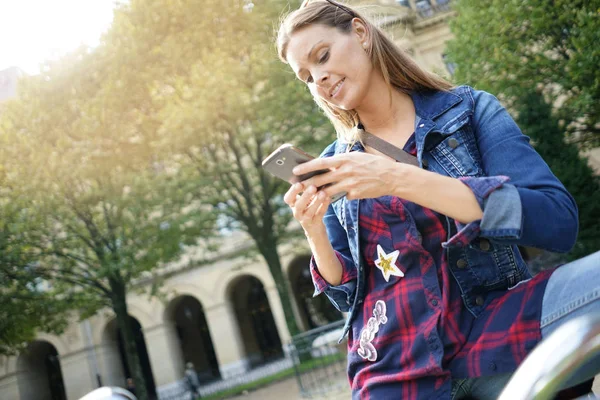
x,y
226,317
8,82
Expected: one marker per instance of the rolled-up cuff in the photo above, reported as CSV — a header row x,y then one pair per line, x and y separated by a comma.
x,y
342,295
483,187
465,235
503,214
502,211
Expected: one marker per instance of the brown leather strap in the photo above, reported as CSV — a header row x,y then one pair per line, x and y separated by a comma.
x,y
387,148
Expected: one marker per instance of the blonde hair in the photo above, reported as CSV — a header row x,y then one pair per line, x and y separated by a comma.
x,y
399,70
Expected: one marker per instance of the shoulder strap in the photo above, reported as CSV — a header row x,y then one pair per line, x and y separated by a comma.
x,y
387,148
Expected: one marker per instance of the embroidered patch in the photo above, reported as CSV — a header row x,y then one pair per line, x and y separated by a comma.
x,y
368,332
387,263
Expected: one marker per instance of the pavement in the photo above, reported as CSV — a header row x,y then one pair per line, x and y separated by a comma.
x,y
288,390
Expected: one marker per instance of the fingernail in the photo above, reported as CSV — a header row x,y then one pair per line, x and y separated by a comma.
x,y
295,170
322,195
298,185
312,189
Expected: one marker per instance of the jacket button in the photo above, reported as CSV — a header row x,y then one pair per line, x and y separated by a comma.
x,y
484,244
453,143
479,300
461,263
425,163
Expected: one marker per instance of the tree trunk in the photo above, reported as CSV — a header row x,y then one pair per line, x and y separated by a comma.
x,y
124,324
269,252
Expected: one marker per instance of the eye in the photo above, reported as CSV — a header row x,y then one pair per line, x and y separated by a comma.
x,y
309,79
324,57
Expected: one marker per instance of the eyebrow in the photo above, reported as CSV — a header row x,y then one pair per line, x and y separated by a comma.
x,y
309,55
312,48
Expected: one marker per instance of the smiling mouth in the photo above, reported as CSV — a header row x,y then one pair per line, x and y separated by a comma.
x,y
336,88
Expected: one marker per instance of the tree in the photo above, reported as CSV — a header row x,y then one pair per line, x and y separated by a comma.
x,y
507,47
535,54
223,100
536,120
26,306
101,216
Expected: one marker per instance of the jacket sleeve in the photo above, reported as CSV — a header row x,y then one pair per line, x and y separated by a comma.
x,y
342,295
528,205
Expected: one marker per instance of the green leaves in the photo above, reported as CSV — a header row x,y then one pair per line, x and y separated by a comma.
x,y
532,54
118,160
509,47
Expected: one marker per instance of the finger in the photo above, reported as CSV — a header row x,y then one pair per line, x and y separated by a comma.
x,y
322,179
322,208
336,188
303,201
313,207
319,163
290,196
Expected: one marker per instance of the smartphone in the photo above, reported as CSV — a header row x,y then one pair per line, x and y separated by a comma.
x,y
282,161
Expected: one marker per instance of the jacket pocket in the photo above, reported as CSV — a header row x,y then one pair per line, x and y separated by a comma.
x,y
456,153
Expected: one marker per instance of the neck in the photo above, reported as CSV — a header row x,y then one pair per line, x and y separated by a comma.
x,y
381,111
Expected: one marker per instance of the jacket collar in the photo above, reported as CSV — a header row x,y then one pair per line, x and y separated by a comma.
x,y
431,104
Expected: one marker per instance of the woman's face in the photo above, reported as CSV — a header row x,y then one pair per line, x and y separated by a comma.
x,y
333,64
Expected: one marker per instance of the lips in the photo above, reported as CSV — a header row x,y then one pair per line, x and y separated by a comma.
x,y
336,88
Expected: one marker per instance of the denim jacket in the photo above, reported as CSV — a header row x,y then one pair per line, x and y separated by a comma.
x,y
467,134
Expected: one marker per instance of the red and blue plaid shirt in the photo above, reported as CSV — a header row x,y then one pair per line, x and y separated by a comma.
x,y
413,335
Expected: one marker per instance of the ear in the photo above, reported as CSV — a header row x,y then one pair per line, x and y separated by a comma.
x,y
360,29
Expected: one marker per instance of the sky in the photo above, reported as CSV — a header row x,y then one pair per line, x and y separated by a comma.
x,y
32,31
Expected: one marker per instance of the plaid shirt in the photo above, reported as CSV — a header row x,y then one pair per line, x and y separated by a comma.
x,y
413,334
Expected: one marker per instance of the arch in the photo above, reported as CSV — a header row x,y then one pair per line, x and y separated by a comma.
x,y
114,344
186,314
59,344
252,310
39,373
314,311
143,317
177,290
227,285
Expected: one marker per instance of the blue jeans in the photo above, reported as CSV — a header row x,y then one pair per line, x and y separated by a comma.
x,y
572,290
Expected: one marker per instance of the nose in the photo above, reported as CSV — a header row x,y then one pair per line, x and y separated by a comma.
x,y
321,78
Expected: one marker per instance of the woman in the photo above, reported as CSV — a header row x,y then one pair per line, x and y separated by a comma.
x,y
424,260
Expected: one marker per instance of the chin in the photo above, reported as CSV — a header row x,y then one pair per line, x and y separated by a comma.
x,y
346,104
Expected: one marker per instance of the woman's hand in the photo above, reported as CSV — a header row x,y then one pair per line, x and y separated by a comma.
x,y
360,175
309,207
363,175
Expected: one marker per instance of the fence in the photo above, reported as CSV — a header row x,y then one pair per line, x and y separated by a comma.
x,y
179,391
319,361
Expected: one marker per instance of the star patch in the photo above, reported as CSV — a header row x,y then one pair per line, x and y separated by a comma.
x,y
387,263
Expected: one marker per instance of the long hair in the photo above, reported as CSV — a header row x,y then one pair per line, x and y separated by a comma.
x,y
398,69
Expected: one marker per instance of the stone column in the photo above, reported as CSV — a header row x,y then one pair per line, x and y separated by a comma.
x,y
9,387
164,352
278,315
77,374
110,364
227,340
